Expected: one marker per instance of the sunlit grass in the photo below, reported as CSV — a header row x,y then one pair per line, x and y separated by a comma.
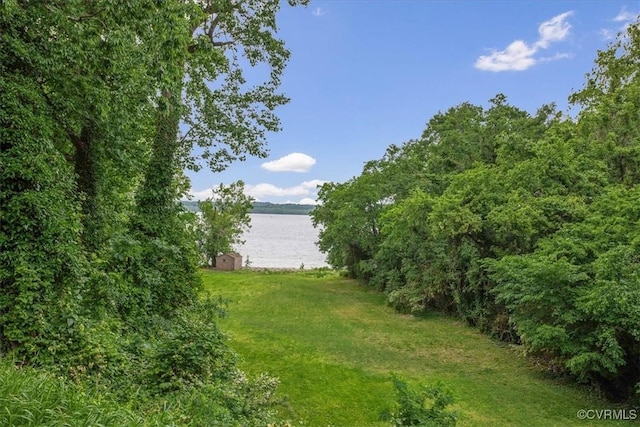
x,y
334,345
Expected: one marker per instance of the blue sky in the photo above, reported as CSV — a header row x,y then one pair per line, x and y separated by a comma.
x,y
365,74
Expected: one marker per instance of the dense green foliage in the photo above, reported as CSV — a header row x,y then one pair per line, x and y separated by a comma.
x,y
101,104
42,264
524,225
223,219
33,397
426,406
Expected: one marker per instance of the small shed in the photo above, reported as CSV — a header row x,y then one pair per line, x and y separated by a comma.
x,y
229,261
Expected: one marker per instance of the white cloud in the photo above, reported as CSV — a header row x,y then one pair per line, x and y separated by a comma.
x,y
607,34
307,190
318,12
294,162
554,30
308,201
519,55
262,190
303,201
201,195
623,17
556,57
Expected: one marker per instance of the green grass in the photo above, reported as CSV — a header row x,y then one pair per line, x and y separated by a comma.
x,y
334,345
31,397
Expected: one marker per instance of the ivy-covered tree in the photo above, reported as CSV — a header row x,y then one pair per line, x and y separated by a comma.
x,y
98,262
43,268
202,86
42,265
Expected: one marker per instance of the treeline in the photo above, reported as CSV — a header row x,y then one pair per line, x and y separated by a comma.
x,y
526,225
98,258
265,208
281,208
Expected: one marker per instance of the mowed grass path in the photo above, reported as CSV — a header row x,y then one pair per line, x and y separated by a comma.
x,y
334,344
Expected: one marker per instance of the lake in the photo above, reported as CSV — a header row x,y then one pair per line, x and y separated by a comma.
x,y
281,241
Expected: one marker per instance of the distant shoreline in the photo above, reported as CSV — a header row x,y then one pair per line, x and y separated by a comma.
x,y
264,208
279,269
281,208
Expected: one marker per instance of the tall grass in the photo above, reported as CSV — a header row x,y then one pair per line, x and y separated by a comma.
x,y
30,397
334,346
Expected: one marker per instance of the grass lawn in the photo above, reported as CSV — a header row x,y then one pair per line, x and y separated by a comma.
x,y
334,344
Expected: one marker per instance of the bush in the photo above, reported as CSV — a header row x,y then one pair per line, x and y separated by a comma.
x,y
191,351
425,406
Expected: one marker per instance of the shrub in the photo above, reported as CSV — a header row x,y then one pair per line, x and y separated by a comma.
x,y
425,406
191,351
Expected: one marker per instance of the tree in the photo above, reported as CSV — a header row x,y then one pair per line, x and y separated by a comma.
x,y
224,218
42,265
91,63
202,85
349,214
101,86
98,261
43,268
575,298
610,101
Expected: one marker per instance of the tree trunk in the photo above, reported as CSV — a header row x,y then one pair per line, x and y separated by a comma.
x,y
156,198
86,169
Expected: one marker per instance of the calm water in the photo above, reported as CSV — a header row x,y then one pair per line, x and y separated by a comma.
x,y
282,241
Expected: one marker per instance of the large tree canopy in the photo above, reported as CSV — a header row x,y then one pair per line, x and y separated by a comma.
x,y
521,224
102,106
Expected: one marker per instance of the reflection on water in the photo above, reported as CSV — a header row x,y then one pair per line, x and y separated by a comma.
x,y
282,241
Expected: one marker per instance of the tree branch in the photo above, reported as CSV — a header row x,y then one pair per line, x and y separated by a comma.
x,y
212,26
85,17
225,43
211,36
211,33
81,18
216,13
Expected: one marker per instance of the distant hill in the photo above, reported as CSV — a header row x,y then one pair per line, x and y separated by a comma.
x,y
191,205
265,208
281,208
